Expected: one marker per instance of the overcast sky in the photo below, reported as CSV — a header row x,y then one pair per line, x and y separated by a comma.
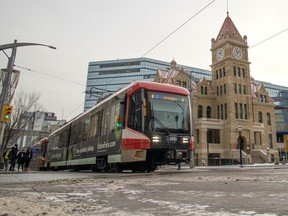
x,y
94,30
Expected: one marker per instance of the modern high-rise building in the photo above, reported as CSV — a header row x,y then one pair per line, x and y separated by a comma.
x,y
108,76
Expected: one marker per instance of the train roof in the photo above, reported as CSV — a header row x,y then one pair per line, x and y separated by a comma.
x,y
162,87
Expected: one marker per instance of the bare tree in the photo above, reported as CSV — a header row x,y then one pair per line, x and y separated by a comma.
x,y
24,107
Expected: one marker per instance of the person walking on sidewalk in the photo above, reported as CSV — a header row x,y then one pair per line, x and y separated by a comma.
x,y
6,155
28,157
21,159
13,157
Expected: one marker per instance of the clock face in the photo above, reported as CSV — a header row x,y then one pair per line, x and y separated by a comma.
x,y
237,52
220,53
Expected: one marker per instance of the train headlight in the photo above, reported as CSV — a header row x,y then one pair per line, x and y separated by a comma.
x,y
185,140
156,139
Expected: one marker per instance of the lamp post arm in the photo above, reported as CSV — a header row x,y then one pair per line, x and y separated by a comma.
x,y
15,44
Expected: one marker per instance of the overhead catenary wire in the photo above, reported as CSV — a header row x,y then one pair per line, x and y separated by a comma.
x,y
178,28
268,38
60,78
174,31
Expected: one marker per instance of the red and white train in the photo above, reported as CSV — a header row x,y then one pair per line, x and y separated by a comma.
x,y
138,128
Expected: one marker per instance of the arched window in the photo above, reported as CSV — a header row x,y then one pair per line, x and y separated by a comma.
x,y
200,111
260,118
208,112
268,119
202,90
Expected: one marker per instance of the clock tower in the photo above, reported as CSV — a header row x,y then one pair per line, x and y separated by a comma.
x,y
231,81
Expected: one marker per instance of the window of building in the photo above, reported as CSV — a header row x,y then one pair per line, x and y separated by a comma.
x,y
200,111
225,110
236,110
257,138
235,88
244,90
208,112
268,119
222,112
239,71
205,90
220,72
260,117
239,89
224,88
241,111
234,70
224,71
221,90
213,136
178,82
218,111
202,90
245,111
270,141
184,84
217,75
217,91
243,72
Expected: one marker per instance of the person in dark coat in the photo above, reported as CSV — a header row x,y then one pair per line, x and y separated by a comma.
x,y
13,157
28,157
21,159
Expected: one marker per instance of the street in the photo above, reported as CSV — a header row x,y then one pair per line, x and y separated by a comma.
x,y
227,190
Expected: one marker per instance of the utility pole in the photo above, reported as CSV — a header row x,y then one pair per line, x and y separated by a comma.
x,y
11,60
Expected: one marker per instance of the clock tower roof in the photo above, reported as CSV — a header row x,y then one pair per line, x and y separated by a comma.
x,y
229,31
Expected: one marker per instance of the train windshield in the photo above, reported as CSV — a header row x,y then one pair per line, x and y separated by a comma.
x,y
169,112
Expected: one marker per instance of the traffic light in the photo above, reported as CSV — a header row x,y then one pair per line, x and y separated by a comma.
x,y
6,113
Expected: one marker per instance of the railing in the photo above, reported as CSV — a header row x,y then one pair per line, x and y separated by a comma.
x,y
262,155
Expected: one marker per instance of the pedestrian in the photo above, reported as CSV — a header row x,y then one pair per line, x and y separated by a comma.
x,y
13,157
28,157
6,155
21,159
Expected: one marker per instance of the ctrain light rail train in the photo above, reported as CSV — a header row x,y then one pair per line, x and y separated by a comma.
x,y
138,128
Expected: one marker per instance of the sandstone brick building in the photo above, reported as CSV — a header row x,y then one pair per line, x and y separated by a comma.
x,y
230,110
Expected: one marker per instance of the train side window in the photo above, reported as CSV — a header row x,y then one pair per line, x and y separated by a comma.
x,y
105,120
94,125
135,112
115,118
74,134
86,129
80,132
63,138
131,111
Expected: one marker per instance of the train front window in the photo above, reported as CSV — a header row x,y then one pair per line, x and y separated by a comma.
x,y
169,112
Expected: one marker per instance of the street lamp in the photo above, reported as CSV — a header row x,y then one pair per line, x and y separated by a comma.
x,y
240,144
11,60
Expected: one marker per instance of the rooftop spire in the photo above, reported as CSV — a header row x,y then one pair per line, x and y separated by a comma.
x,y
229,31
227,7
